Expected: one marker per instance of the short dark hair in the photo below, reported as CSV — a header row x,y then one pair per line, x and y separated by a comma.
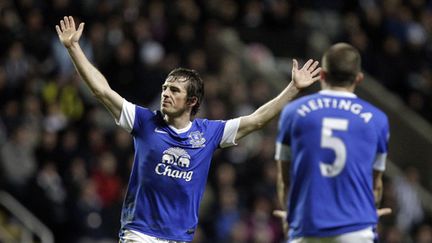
x,y
195,86
341,63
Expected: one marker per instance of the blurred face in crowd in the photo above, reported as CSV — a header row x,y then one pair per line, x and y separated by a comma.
x,y
174,100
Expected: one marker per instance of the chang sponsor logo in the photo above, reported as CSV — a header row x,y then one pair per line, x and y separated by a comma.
x,y
175,162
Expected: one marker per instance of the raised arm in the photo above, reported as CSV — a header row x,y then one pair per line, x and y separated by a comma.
x,y
69,37
301,78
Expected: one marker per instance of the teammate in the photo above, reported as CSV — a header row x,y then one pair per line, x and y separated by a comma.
x,y
337,146
172,150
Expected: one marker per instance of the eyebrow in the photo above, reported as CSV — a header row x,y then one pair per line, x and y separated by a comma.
x,y
165,85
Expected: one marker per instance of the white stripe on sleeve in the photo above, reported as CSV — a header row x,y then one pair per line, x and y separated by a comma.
x,y
380,162
230,132
283,152
127,116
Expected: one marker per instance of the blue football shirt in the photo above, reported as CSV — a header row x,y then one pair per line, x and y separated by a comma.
x,y
170,171
334,141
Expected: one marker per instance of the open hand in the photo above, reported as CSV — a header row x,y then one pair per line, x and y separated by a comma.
x,y
307,75
67,32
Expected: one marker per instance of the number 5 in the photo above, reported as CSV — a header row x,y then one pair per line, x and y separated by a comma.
x,y
334,143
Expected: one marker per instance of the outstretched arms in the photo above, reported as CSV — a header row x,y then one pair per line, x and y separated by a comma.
x,y
69,37
301,78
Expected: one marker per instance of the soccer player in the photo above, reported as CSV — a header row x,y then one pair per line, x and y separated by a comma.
x,y
172,150
331,150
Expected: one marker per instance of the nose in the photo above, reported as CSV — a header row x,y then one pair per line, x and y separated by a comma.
x,y
165,93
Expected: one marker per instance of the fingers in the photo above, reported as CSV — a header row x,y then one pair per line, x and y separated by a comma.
x,y
295,64
313,66
280,213
384,211
307,65
316,78
66,21
58,30
72,22
81,27
316,72
62,25
310,66
315,75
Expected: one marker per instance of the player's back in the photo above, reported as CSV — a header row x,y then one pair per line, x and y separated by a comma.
x,y
335,138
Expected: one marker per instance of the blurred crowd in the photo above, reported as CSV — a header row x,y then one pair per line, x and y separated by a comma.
x,y
64,158
393,36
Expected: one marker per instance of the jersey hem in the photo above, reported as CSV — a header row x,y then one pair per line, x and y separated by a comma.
x,y
156,235
331,233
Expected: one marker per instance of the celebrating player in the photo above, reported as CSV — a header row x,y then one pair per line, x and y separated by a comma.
x,y
172,150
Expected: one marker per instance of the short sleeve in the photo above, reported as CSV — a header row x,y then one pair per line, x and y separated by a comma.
x,y
127,116
382,146
283,139
282,152
284,128
230,132
133,117
211,130
383,138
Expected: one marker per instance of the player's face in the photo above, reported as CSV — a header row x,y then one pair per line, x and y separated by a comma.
x,y
174,97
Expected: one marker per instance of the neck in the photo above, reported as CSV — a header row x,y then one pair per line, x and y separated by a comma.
x,y
339,88
178,122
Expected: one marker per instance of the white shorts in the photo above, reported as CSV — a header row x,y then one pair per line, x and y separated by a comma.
x,y
132,236
361,236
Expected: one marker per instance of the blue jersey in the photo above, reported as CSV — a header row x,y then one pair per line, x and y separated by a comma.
x,y
334,141
169,172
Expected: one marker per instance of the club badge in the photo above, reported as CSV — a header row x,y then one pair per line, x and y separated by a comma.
x,y
196,139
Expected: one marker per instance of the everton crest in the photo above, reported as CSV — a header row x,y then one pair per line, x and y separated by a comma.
x,y
196,139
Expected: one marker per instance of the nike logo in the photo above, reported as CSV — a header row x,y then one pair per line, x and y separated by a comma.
x,y
159,131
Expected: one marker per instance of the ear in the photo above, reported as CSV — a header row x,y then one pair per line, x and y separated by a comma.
x,y
323,75
192,101
359,78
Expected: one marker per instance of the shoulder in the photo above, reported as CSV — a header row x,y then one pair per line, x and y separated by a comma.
x,y
145,110
380,119
376,111
209,126
206,123
145,114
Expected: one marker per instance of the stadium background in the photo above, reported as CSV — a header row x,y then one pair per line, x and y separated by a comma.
x,y
63,158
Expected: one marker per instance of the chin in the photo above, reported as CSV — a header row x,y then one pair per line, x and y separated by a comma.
x,y
165,111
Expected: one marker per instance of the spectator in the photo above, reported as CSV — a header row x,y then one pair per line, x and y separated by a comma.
x,y
18,163
410,212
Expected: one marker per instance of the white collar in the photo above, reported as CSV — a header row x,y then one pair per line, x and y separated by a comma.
x,y
181,130
338,93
